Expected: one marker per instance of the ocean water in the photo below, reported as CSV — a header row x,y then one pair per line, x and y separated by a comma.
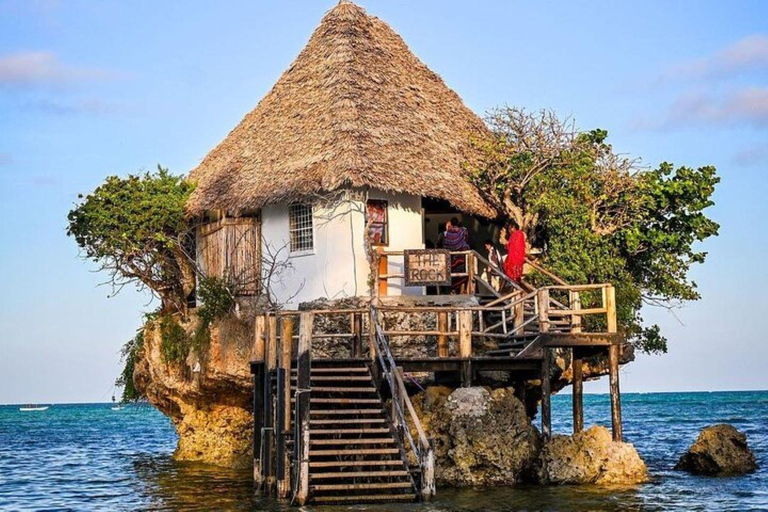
x,y
88,457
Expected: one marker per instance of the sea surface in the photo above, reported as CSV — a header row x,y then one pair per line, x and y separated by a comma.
x,y
89,457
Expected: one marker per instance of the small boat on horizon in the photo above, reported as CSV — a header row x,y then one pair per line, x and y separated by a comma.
x,y
34,407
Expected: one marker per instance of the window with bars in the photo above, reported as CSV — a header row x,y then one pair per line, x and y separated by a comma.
x,y
301,228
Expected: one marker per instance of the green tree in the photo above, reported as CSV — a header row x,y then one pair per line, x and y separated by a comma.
x,y
597,217
136,228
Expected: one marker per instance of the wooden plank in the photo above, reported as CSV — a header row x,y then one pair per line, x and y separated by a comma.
x,y
610,308
613,366
382,280
546,405
578,391
280,462
558,340
302,436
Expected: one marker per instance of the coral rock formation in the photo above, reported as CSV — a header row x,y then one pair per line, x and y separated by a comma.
x,y
589,457
719,450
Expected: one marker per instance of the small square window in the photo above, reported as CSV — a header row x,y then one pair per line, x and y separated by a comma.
x,y
378,221
301,228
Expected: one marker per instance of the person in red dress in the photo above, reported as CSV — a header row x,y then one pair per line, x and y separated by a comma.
x,y
513,265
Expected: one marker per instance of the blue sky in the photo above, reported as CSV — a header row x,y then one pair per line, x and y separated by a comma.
x,y
89,89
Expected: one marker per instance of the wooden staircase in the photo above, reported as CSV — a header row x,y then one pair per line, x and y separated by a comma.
x,y
355,454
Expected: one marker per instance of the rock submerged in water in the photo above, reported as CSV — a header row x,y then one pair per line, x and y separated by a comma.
x,y
484,438
719,450
589,457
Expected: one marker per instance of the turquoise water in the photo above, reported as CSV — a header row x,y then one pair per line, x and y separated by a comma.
x,y
88,457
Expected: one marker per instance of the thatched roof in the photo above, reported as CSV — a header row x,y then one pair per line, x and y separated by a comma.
x,y
355,109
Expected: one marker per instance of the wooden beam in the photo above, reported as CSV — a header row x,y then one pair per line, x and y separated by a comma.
x,y
578,391
565,339
610,307
442,339
283,382
575,301
465,346
301,438
546,404
613,365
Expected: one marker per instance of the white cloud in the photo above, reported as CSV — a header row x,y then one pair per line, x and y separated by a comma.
x,y
36,69
740,107
748,55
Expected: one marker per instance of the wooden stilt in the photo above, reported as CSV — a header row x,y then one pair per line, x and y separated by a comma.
x,y
268,438
258,423
302,410
284,419
613,362
546,405
578,392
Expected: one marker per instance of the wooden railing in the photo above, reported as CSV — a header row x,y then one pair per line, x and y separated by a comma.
x,y
401,404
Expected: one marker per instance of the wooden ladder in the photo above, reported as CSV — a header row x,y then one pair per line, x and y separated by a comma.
x,y
355,455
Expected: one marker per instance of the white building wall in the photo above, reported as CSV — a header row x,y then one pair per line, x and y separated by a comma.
x,y
338,267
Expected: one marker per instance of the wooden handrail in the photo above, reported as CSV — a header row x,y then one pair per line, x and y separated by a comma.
x,y
546,272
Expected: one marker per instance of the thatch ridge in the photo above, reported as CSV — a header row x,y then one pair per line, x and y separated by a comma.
x,y
355,109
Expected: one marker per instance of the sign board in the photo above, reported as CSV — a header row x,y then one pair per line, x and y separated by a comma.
x,y
427,267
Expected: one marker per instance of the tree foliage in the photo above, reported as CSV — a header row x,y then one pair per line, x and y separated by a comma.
x,y
135,228
597,217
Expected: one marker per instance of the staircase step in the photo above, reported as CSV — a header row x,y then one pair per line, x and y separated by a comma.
x,y
349,431
353,421
355,463
375,401
336,369
361,389
342,378
358,487
344,412
347,442
359,474
367,498
364,451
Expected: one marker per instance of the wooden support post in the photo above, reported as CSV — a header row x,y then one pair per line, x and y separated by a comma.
x,y
442,339
609,301
259,337
271,344
258,423
301,438
613,361
519,311
465,346
383,271
546,405
284,421
268,436
280,470
428,474
575,301
470,264
357,335
542,301
578,391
